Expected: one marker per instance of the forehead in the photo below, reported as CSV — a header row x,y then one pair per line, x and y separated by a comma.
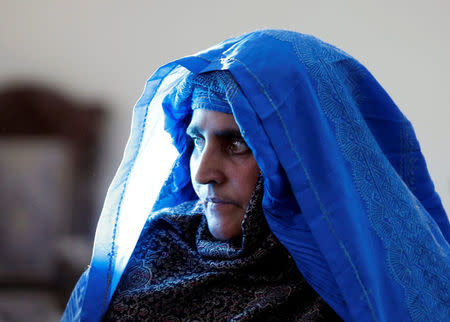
x,y
208,120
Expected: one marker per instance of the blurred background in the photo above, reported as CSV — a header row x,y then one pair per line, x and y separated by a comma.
x,y
70,73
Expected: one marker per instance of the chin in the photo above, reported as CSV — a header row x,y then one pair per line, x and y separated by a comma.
x,y
224,233
224,225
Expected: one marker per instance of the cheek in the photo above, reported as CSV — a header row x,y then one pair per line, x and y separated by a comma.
x,y
246,180
193,168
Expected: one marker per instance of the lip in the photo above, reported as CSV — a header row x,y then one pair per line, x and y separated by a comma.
x,y
215,201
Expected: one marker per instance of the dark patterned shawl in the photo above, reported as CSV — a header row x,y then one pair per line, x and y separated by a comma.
x,y
179,272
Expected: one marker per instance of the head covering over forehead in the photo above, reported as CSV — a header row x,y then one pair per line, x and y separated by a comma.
x,y
346,188
213,91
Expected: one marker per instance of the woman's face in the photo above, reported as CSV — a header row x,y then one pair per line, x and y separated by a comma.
x,y
223,171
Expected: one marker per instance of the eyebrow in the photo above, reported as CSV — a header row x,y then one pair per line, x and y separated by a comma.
x,y
231,134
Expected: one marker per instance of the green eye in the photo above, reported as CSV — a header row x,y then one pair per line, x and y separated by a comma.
x,y
239,147
199,143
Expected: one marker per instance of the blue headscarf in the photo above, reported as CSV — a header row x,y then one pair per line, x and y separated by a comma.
x,y
212,91
346,188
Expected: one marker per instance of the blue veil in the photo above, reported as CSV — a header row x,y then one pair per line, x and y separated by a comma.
x,y
347,191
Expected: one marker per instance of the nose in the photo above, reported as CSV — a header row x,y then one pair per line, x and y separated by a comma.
x,y
208,166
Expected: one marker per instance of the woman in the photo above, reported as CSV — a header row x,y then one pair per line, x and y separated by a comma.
x,y
345,187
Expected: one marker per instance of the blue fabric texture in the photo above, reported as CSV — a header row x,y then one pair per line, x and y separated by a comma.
x,y
213,91
346,187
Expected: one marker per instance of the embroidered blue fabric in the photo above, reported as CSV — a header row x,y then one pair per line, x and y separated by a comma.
x,y
212,91
347,191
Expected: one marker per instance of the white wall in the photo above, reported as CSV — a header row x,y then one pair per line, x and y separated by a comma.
x,y
107,50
